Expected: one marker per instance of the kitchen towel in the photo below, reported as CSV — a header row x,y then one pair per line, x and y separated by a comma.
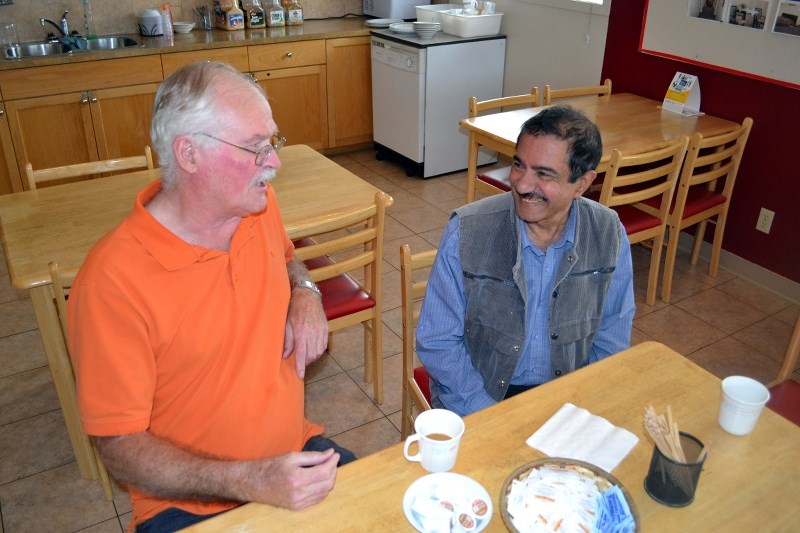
x,y
575,433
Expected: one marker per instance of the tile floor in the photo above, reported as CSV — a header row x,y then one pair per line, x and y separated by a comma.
x,y
726,324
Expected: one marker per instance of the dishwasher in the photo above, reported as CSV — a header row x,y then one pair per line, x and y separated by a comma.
x,y
420,90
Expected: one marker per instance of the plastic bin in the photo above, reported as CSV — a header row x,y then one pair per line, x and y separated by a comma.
x,y
471,25
433,13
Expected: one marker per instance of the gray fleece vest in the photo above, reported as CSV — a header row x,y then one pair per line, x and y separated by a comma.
x,y
494,280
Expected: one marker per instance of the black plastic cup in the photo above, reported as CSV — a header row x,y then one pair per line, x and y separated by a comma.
x,y
673,483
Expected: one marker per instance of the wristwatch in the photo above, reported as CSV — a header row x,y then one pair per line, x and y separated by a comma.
x,y
308,284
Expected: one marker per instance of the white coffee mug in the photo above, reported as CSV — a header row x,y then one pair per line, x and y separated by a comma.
x,y
743,399
438,435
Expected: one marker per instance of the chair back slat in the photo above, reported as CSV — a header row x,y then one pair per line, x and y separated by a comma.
x,y
572,92
102,168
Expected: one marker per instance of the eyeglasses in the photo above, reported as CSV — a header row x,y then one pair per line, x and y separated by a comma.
x,y
261,155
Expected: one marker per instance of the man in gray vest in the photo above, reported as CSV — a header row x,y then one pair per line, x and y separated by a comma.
x,y
531,284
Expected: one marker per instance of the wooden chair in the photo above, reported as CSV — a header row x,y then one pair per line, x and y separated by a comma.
x,y
65,365
416,387
355,237
703,195
636,178
784,391
495,181
48,175
571,92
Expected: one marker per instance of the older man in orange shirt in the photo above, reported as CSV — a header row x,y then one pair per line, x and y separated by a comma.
x,y
191,323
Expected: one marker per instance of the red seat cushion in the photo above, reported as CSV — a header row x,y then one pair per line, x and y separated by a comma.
x,y
698,200
422,379
497,177
785,400
342,295
635,220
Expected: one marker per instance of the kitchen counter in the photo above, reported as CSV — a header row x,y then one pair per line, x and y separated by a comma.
x,y
207,40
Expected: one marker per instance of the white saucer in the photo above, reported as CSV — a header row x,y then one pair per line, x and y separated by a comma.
x,y
444,484
381,23
404,28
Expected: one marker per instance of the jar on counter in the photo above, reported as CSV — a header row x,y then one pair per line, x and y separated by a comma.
x,y
276,15
254,15
294,14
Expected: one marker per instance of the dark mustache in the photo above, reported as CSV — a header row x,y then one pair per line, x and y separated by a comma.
x,y
531,196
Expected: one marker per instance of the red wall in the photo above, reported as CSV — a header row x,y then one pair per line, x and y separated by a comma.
x,y
769,175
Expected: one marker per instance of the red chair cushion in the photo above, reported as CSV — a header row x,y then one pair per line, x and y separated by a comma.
x,y
785,400
698,200
342,295
635,220
422,379
497,177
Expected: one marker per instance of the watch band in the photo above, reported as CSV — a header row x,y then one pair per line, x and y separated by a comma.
x,y
308,284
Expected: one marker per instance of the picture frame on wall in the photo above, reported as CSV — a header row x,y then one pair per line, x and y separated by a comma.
x,y
787,18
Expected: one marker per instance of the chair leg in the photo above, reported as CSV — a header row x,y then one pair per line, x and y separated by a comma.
x,y
369,367
405,419
330,341
699,236
655,263
669,263
377,356
108,490
716,246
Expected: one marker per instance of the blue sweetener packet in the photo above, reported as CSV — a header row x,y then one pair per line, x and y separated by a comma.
x,y
613,513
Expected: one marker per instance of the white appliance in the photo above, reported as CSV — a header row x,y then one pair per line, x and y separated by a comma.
x,y
420,89
393,9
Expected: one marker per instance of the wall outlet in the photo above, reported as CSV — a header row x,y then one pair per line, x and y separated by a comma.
x,y
765,220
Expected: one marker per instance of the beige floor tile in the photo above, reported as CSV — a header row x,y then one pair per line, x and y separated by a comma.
x,y
391,290
392,383
369,438
678,329
638,337
348,346
55,500
109,526
433,236
789,315
33,445
324,367
729,357
9,293
421,219
391,250
394,321
758,297
721,310
21,352
340,404
405,201
17,316
770,337
395,419
27,394
435,191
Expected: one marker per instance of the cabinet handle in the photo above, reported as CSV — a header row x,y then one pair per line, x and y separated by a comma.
x,y
2,112
85,98
253,77
289,54
94,99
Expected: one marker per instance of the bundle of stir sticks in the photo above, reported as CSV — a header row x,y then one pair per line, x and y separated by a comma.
x,y
664,433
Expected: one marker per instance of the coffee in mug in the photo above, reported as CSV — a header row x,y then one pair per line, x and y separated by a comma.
x,y
438,436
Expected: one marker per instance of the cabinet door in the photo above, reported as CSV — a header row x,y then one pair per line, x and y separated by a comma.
x,y
121,119
9,173
52,131
349,91
299,103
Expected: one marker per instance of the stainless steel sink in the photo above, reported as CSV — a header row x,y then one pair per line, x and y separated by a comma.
x,y
29,50
110,43
25,50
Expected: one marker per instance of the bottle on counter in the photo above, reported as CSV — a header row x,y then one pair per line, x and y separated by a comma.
x,y
254,15
276,15
88,21
166,21
294,14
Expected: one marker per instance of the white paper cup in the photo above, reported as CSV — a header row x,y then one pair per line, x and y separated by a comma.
x,y
743,399
438,435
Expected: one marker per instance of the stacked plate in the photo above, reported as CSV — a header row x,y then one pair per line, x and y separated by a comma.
x,y
426,30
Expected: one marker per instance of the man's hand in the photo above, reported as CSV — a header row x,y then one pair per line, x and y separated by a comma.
x,y
293,481
306,329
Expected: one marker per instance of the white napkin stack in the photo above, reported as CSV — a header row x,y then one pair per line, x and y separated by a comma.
x,y
575,433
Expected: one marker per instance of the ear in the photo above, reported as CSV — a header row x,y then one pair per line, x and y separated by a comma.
x,y
584,182
183,148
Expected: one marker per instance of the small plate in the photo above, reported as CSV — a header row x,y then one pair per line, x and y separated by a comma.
x,y
603,480
404,28
444,484
381,23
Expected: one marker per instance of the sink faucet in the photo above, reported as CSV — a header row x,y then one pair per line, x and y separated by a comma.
x,y
63,27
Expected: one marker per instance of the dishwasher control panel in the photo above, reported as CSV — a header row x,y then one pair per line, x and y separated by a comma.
x,y
398,56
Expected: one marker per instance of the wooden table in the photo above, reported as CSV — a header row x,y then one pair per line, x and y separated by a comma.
x,y
62,223
748,483
627,122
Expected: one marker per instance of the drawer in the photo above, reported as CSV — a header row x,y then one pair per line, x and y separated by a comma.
x,y
285,55
72,77
234,56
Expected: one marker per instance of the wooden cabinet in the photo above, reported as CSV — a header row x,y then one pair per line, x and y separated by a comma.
x,y
294,77
236,57
349,91
104,110
9,174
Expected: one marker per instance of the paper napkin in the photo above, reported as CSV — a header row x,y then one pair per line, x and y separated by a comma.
x,y
575,433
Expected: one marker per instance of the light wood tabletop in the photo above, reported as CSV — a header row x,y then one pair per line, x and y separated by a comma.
x,y
63,222
748,483
626,121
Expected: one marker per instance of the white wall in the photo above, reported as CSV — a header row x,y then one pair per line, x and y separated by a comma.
x,y
547,43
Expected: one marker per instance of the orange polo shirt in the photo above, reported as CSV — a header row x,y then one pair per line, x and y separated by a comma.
x,y
185,342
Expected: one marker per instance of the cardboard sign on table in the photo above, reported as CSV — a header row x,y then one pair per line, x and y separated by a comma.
x,y
683,95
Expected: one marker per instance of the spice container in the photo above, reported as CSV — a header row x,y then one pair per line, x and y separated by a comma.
x,y
254,14
294,14
276,15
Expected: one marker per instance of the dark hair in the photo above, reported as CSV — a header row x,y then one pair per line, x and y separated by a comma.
x,y
569,124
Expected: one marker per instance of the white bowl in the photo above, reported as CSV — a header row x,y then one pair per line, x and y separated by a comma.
x,y
183,27
426,33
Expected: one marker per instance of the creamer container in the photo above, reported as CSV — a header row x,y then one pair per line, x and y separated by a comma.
x,y
255,17
276,15
294,14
